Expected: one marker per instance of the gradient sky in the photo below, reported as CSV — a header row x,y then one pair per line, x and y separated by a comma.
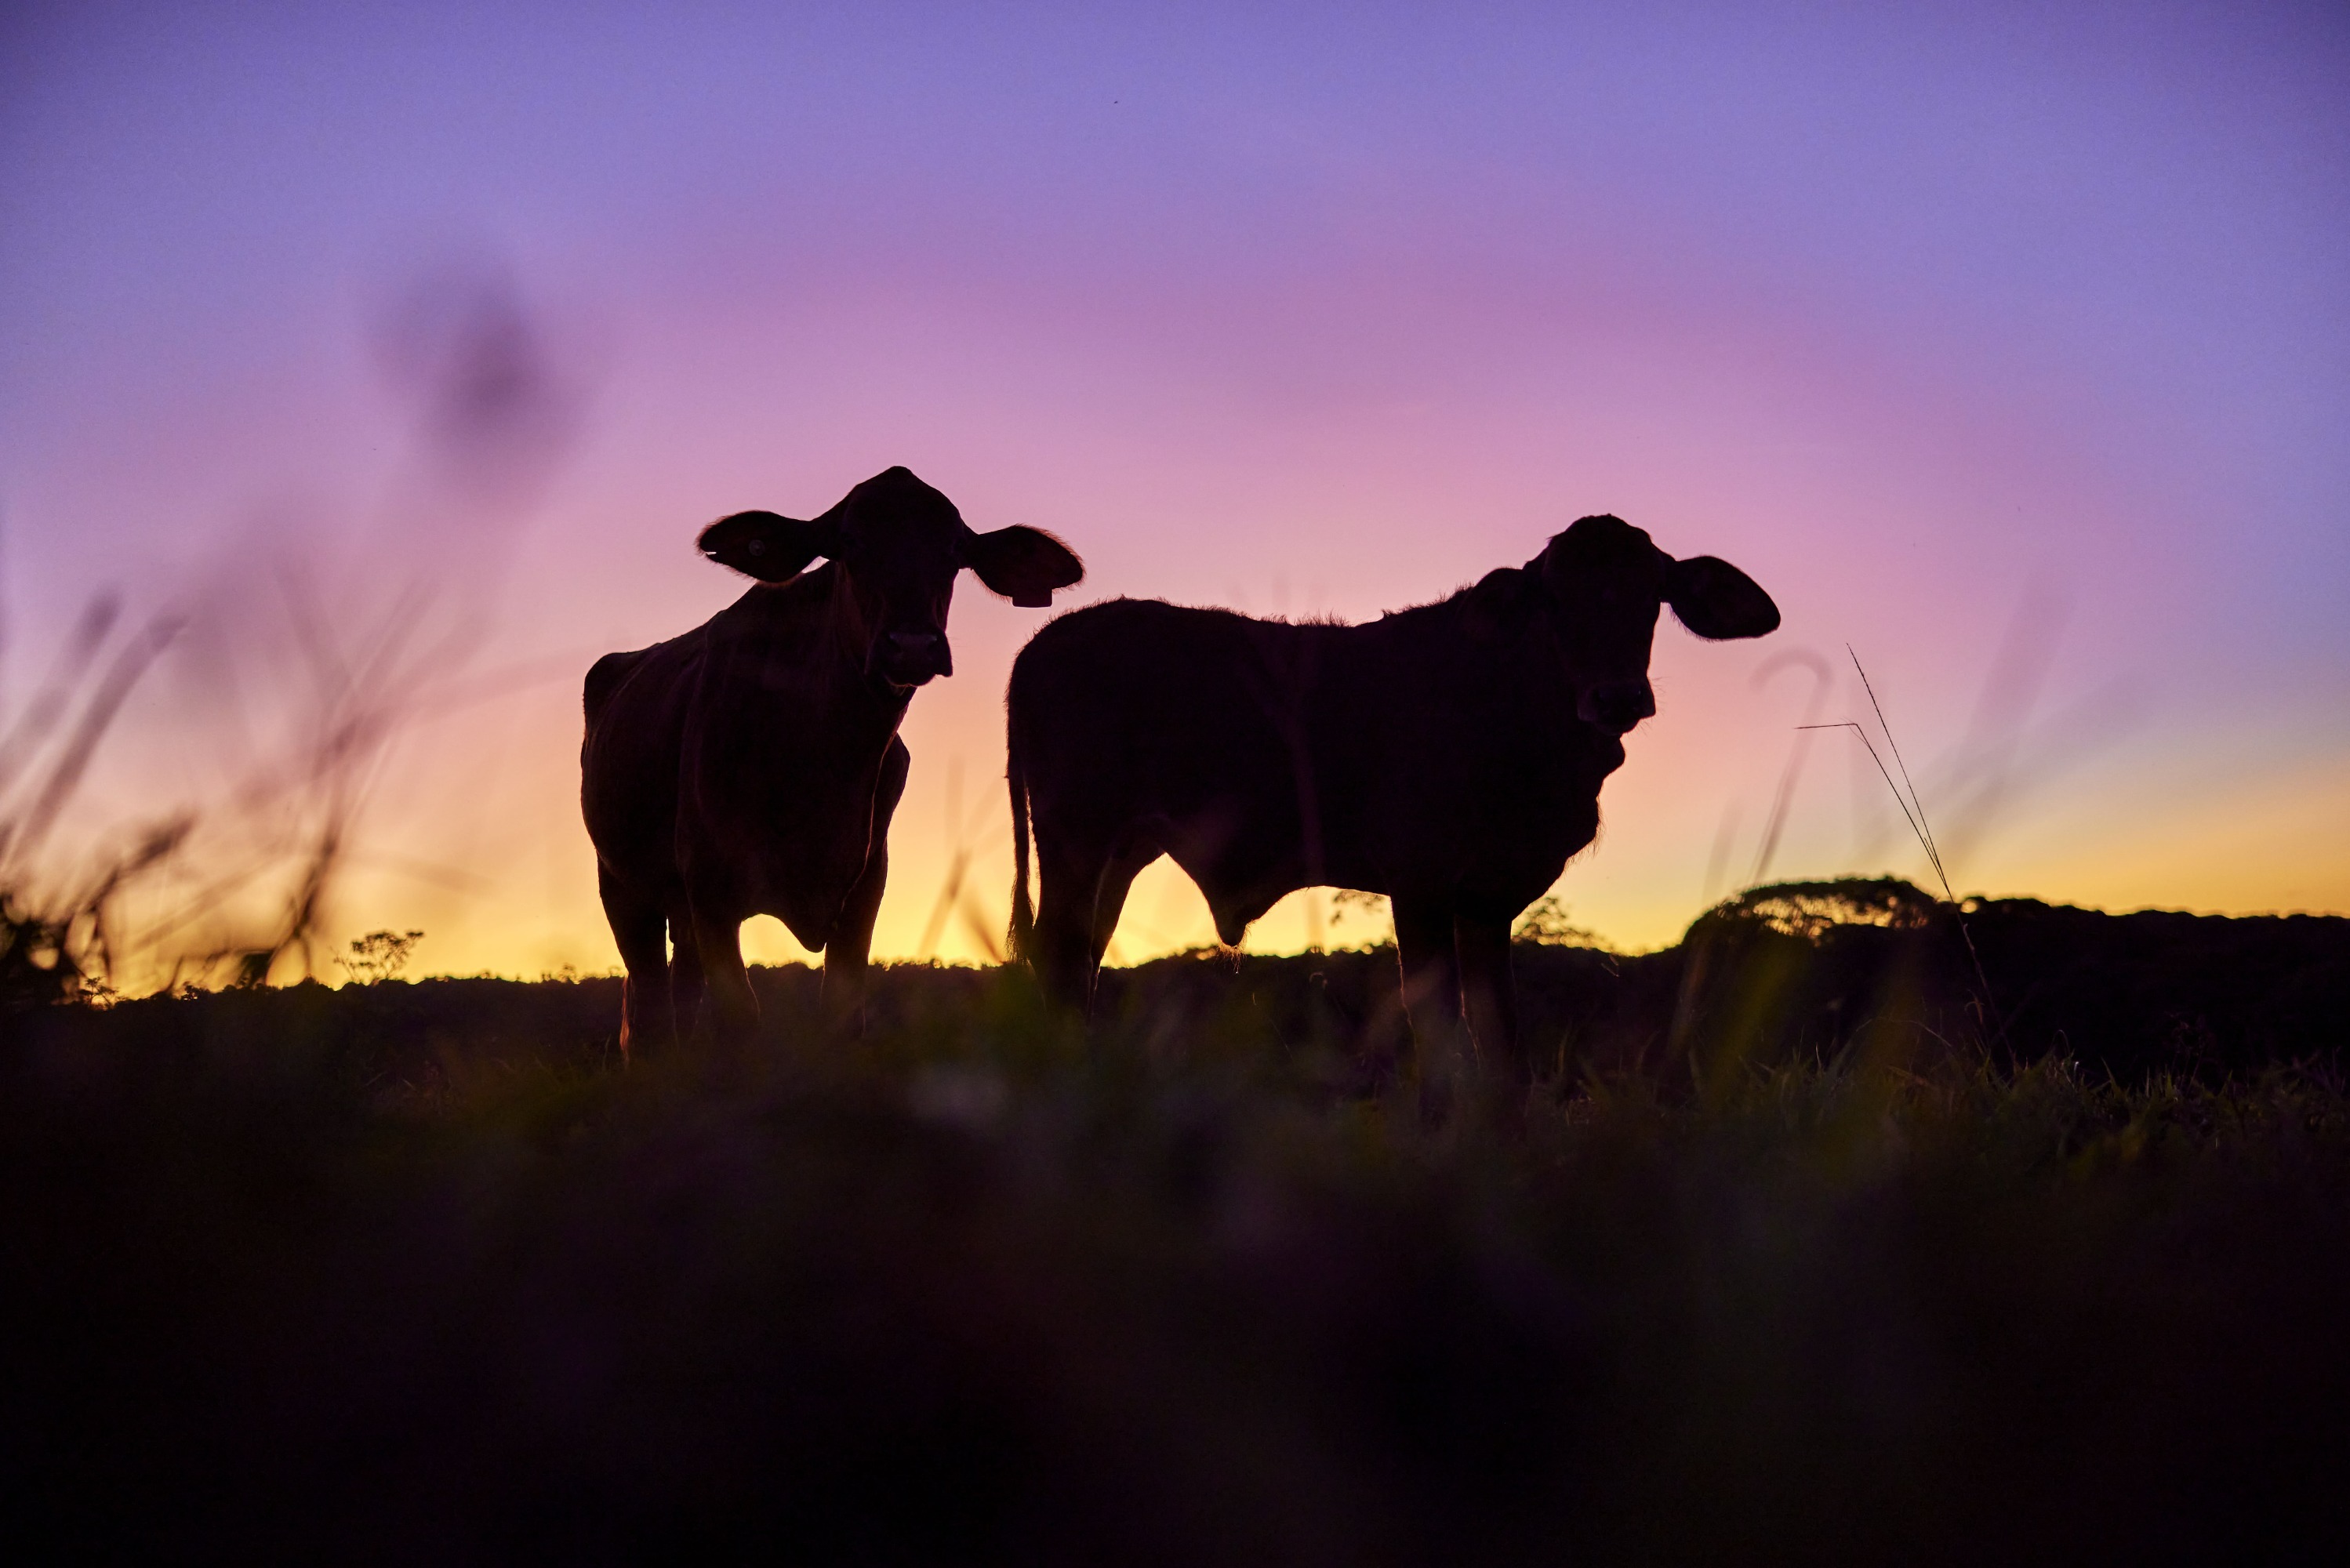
x,y
2009,344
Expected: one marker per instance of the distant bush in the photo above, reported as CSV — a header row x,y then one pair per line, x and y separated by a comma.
x,y
379,956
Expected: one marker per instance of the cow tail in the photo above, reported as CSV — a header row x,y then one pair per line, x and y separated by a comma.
x,y
1024,916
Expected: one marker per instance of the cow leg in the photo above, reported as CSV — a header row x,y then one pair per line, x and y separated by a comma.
x,y
1489,996
685,985
648,1024
1110,887
732,1010
1431,997
1431,976
842,997
1061,941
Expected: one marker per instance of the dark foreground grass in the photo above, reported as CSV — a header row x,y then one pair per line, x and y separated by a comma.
x,y
418,1273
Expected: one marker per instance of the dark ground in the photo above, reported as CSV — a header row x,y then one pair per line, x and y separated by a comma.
x,y
1810,1255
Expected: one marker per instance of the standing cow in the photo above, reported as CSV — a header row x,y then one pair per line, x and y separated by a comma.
x,y
751,766
1448,756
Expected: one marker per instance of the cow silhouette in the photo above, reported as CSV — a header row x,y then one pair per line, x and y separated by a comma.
x,y
1448,756
752,765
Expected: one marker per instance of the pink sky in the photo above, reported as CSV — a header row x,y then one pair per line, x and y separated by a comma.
x,y
1921,319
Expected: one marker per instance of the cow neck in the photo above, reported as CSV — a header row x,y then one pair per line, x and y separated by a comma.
x,y
1519,665
789,633
856,700
1451,619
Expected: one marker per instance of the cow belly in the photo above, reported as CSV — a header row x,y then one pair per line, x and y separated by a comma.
x,y
1244,861
736,867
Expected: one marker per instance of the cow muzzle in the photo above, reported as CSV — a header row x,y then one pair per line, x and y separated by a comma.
x,y
909,658
1616,706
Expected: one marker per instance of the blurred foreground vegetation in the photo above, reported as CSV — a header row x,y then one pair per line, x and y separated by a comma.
x,y
1805,1253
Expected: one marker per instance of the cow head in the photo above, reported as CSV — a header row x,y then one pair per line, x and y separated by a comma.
x,y
1603,582
897,545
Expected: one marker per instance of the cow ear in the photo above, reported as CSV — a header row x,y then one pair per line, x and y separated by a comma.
x,y
1715,599
1024,565
764,545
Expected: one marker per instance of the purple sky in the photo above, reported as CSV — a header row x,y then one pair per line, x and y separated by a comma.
x,y
1921,315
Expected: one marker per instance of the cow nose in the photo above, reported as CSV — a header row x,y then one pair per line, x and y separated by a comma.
x,y
916,656
1617,705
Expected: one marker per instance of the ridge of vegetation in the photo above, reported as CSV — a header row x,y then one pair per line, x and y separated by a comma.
x,y
420,1266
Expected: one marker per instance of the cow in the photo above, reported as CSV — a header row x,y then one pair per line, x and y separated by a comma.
x,y
1448,756
752,765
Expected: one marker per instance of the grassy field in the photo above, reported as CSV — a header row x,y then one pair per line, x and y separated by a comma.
x,y
419,1271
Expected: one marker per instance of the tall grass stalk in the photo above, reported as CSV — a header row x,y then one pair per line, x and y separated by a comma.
x,y
1913,811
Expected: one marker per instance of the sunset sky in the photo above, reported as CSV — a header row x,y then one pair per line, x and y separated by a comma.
x,y
2007,344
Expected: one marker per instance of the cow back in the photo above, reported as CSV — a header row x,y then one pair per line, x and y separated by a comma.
x,y
1430,748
